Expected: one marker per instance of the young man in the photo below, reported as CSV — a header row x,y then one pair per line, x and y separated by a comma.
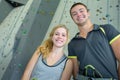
x,y
95,49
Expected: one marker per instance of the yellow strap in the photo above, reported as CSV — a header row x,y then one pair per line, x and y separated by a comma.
x,y
102,30
114,39
72,56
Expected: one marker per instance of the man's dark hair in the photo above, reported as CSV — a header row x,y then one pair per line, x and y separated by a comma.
x,y
78,3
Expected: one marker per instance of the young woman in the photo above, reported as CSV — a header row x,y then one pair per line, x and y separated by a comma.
x,y
49,61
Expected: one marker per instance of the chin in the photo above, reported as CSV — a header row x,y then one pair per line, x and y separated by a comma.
x,y
59,46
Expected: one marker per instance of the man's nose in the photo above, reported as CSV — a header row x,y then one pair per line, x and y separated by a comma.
x,y
78,14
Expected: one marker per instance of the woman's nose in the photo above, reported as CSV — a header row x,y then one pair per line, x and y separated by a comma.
x,y
60,36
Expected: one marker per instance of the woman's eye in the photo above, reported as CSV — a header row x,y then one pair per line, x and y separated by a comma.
x,y
63,35
56,33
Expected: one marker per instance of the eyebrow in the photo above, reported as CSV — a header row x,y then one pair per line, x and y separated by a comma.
x,y
79,9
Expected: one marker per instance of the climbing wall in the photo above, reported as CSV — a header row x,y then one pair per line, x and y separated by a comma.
x,y
102,12
22,31
27,26
10,38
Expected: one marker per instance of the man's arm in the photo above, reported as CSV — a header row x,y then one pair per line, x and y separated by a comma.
x,y
119,70
116,48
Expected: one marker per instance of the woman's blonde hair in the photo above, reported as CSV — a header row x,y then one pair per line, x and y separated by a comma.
x,y
46,47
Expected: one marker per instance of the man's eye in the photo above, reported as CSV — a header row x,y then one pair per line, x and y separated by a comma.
x,y
74,14
81,11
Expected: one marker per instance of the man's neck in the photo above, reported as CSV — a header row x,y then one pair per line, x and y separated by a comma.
x,y
85,29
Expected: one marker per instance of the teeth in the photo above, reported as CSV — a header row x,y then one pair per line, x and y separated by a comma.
x,y
59,40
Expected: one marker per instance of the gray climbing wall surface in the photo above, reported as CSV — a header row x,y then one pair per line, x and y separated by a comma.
x,y
23,29
26,23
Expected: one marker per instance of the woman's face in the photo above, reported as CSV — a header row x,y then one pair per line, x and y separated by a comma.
x,y
59,37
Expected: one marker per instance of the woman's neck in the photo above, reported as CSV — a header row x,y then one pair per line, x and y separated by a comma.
x,y
54,56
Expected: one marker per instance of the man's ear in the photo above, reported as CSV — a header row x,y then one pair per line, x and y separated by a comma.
x,y
88,13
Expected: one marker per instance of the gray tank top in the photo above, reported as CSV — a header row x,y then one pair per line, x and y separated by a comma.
x,y
42,71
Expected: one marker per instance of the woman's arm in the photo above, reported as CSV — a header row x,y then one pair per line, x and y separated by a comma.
x,y
30,66
75,67
67,73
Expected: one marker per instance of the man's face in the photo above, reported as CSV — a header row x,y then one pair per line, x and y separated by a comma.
x,y
79,14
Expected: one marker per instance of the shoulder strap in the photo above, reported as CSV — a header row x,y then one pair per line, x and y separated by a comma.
x,y
102,30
